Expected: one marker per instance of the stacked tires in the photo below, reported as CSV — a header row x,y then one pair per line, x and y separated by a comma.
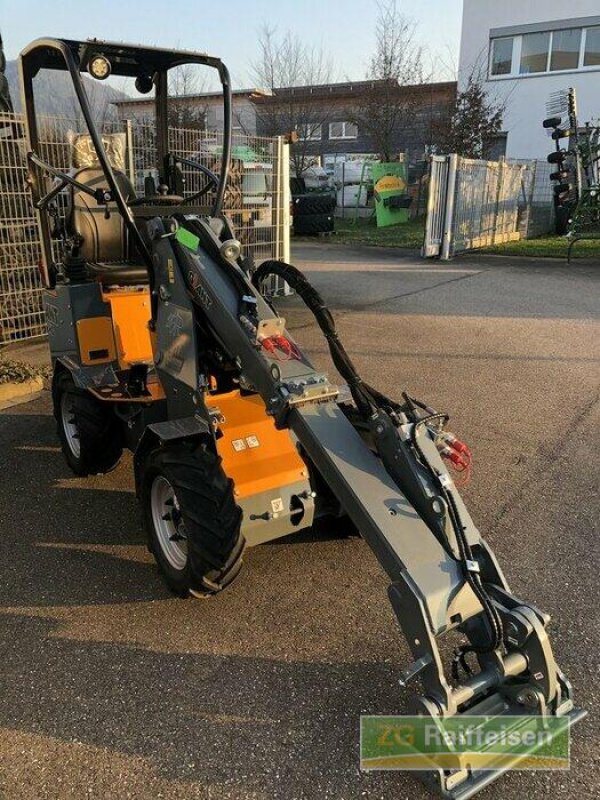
x,y
313,213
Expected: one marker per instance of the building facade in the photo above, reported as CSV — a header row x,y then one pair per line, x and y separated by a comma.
x,y
526,51
324,117
327,118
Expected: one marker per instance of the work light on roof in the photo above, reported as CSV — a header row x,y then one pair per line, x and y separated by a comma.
x,y
99,67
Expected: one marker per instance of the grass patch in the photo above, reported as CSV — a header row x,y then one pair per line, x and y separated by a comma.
x,y
19,372
410,234
365,232
547,247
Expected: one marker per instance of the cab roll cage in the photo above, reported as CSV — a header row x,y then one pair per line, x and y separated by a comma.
x,y
127,61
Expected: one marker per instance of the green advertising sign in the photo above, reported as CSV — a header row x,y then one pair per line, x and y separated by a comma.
x,y
481,743
390,192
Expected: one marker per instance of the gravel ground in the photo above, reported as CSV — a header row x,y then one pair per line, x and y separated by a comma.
x,y
112,688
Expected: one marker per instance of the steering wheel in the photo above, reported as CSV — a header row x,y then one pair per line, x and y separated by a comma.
x,y
212,178
157,200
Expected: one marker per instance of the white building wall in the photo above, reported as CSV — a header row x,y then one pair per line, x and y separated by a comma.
x,y
526,96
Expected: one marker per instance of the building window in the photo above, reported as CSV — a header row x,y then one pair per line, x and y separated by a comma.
x,y
591,55
562,50
343,130
534,53
309,132
502,50
565,49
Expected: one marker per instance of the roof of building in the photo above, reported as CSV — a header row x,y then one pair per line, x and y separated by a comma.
x,y
349,88
344,89
126,101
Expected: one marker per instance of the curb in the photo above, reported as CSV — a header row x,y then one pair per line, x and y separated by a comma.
x,y
13,394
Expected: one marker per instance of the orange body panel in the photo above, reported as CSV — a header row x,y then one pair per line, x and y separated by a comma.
x,y
96,341
256,456
130,314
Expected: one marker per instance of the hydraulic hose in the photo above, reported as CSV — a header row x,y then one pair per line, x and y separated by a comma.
x,y
297,280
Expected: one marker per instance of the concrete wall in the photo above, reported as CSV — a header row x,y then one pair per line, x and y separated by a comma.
x,y
526,95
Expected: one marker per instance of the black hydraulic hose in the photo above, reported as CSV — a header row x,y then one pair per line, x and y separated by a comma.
x,y
313,300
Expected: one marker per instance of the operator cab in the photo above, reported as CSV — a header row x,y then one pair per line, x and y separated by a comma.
x,y
104,277
104,230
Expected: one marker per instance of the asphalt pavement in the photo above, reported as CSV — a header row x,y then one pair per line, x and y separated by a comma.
x,y
111,688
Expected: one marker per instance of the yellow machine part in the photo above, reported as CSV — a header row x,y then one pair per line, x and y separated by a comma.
x,y
256,456
96,341
130,316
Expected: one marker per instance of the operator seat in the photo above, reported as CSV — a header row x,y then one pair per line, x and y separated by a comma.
x,y
104,243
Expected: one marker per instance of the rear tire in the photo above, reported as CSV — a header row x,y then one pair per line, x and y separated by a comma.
x,y
191,518
89,432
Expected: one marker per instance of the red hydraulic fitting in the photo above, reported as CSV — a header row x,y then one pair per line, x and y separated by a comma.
x,y
454,457
285,344
268,344
455,443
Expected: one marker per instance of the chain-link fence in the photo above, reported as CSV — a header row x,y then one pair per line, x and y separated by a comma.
x,y
475,203
257,198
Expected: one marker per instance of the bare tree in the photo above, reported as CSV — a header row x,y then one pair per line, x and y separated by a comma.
x,y
396,65
289,71
185,84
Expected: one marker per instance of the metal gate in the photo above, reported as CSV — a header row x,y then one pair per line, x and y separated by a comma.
x,y
474,203
436,205
257,200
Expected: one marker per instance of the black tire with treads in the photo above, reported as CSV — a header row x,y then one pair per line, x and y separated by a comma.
x,y
211,518
313,224
314,204
100,439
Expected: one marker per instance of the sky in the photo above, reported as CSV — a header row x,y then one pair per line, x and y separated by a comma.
x,y
228,29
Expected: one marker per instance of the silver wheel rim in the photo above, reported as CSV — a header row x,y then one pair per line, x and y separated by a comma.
x,y
69,426
168,524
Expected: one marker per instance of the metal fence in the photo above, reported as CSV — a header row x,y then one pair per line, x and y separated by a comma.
x,y
257,200
474,203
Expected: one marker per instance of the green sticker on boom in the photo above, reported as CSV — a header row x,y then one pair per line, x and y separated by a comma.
x,y
187,239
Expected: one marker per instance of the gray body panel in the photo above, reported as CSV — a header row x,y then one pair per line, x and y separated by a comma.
x,y
64,307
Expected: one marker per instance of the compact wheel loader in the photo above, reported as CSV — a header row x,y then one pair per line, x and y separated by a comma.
x,y
163,343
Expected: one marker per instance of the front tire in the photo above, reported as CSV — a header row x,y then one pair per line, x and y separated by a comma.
x,y
88,430
191,518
